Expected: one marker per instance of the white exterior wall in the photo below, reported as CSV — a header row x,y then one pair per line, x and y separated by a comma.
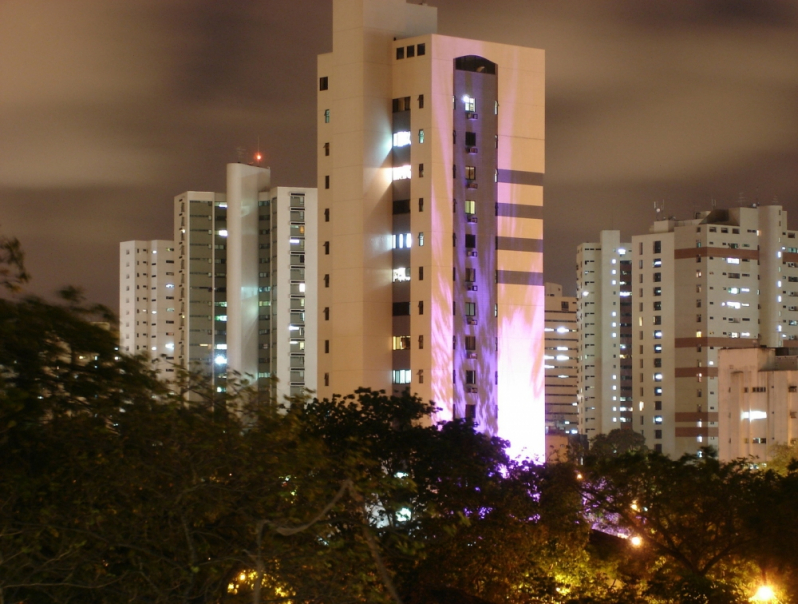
x,y
561,361
244,184
148,317
603,352
294,301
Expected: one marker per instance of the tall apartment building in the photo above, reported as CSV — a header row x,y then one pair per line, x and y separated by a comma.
x,y
148,315
561,362
431,161
604,319
236,292
725,279
757,401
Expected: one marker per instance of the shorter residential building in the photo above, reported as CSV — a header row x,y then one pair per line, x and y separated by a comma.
x,y
758,401
148,310
561,362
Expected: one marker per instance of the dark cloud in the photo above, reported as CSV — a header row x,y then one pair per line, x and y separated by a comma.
x,y
109,108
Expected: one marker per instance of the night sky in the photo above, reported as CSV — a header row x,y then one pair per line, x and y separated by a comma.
x,y
110,108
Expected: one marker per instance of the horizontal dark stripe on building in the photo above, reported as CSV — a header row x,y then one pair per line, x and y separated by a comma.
x,y
717,342
519,278
691,372
519,177
516,210
696,416
715,252
519,244
694,432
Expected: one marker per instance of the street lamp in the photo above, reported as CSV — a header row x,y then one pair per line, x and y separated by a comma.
x,y
763,594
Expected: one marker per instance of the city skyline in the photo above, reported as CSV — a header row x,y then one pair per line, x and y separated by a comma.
x,y
110,109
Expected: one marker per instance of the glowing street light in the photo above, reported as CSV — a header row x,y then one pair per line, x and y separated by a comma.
x,y
763,594
636,541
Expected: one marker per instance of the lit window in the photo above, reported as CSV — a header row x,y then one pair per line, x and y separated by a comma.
x,y
470,206
401,376
326,116
222,233
733,260
401,139
421,136
402,172
657,419
401,274
469,103
401,342
420,239
402,241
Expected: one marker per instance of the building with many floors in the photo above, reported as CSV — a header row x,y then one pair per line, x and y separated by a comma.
x,y
604,320
561,362
241,285
149,319
430,173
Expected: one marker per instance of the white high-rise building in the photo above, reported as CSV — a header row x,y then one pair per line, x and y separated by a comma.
x,y
724,279
240,285
148,315
562,362
431,162
604,322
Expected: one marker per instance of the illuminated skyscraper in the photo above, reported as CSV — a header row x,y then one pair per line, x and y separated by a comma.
x,y
562,362
431,161
604,315
235,290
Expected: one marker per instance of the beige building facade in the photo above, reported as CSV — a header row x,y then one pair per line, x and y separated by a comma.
x,y
431,160
758,401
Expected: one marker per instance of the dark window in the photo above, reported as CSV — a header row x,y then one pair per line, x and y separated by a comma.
x,y
421,170
327,182
658,434
471,139
657,405
326,214
326,280
421,50
326,148
421,307
658,448
421,101
657,277
411,52
401,309
326,347
420,273
420,204
470,411
454,137
471,241
658,362
401,104
657,306
564,306
470,343
326,248
323,83
326,379
470,376
401,207
400,52
421,342
657,247
326,313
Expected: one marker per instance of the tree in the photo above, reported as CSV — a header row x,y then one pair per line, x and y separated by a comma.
x,y
692,513
614,444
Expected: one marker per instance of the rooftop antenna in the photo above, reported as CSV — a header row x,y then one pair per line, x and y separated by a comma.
x,y
241,153
741,199
659,208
